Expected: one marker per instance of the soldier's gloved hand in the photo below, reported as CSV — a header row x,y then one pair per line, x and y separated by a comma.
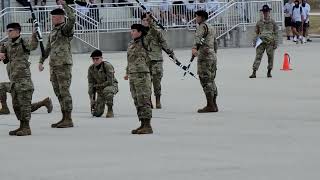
x,y
254,44
2,56
194,52
40,67
171,55
275,46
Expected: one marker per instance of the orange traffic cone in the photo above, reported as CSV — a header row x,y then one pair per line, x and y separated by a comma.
x,y
286,62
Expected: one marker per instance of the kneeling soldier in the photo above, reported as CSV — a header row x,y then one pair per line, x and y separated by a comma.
x,y
102,82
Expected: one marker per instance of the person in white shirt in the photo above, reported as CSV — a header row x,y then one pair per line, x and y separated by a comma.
x,y
297,17
306,8
213,6
287,8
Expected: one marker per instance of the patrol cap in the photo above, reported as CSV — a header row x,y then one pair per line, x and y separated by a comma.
x,y
202,13
96,53
57,11
14,26
265,8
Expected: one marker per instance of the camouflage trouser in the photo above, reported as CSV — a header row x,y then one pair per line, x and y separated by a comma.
x,y
140,88
207,73
105,96
60,77
21,101
259,53
156,70
4,89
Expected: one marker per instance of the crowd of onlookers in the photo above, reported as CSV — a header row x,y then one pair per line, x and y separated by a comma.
x,y
297,20
169,12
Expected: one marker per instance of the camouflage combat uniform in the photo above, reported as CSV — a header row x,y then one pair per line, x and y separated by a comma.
x,y
5,88
156,42
21,85
267,31
59,50
140,82
207,60
102,80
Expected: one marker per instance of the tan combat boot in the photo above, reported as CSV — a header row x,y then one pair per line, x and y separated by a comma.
x,y
210,105
67,122
14,132
4,107
56,124
158,103
46,102
146,128
253,75
135,131
25,129
110,112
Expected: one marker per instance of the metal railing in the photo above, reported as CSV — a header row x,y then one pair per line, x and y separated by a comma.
x,y
225,16
223,6
226,20
237,13
86,28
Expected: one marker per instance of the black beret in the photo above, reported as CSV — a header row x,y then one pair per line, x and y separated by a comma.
x,y
14,26
96,53
57,11
138,27
202,13
265,8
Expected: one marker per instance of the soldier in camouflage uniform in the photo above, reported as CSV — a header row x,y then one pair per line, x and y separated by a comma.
x,y
16,51
138,73
205,47
59,50
102,82
5,88
156,43
267,31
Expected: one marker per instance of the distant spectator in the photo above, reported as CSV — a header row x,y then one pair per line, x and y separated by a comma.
x,y
23,2
191,9
178,11
93,10
213,6
164,10
287,8
201,5
43,15
297,18
306,7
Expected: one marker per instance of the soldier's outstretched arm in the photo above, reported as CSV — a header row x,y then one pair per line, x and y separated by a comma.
x,y
2,52
90,84
276,33
256,35
215,44
68,28
110,74
46,51
32,42
198,36
164,44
